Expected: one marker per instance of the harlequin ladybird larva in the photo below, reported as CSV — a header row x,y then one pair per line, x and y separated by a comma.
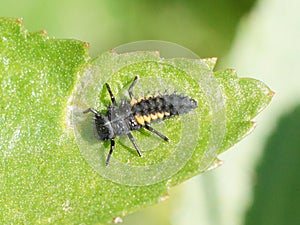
x,y
138,113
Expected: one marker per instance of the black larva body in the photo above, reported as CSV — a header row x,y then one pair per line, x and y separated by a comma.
x,y
133,115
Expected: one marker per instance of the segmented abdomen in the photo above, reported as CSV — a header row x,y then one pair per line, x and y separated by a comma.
x,y
152,108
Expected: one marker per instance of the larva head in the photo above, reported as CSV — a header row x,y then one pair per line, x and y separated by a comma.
x,y
104,128
193,103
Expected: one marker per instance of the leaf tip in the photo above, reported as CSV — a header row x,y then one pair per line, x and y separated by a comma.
x,y
211,62
86,44
164,198
117,220
156,52
217,163
44,32
253,124
19,20
272,93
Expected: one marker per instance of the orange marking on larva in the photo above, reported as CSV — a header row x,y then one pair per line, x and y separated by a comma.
x,y
133,101
149,96
153,116
167,114
140,99
139,120
147,119
160,115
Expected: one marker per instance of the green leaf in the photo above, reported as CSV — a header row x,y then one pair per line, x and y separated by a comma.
x,y
245,98
48,175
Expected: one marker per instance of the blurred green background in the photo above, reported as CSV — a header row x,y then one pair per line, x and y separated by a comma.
x,y
259,181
